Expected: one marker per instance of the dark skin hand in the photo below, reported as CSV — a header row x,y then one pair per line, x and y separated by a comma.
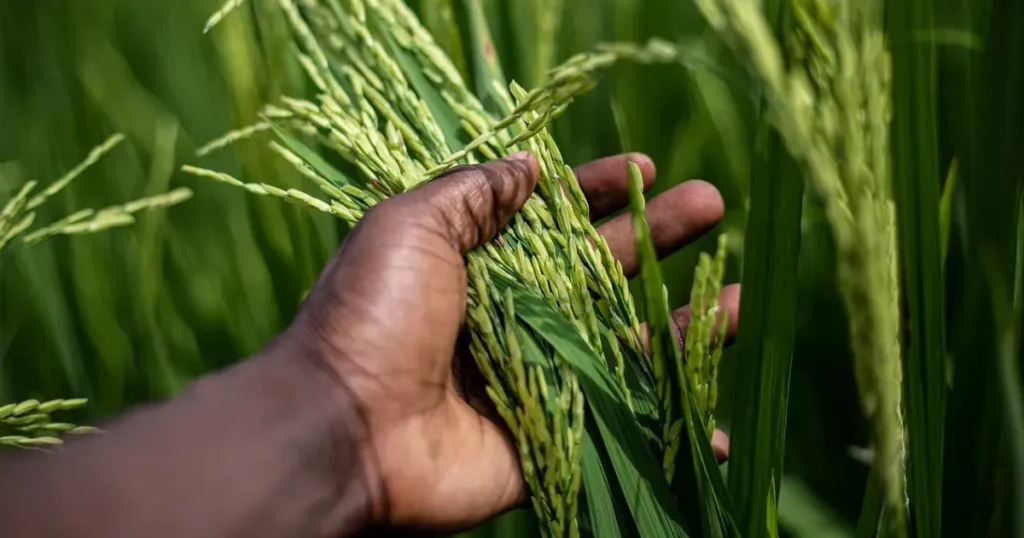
x,y
365,413
439,460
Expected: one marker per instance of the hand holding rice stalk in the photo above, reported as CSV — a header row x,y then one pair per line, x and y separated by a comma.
x,y
553,328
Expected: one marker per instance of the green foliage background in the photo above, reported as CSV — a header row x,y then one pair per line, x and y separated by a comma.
x,y
133,314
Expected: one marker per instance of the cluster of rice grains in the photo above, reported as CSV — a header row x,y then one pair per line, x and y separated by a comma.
x,y
28,424
393,107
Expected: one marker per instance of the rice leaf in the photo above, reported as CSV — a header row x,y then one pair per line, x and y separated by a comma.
x,y
535,25
490,81
916,184
946,209
1007,330
443,114
601,508
673,396
870,507
803,514
439,17
772,512
640,477
312,158
768,325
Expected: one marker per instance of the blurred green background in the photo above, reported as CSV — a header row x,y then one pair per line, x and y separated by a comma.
x,y
134,314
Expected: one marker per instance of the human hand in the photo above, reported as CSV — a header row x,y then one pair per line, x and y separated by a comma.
x,y
387,312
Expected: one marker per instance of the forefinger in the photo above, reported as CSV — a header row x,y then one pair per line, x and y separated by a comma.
x,y
604,182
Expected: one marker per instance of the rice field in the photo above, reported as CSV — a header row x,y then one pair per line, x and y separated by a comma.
x,y
868,154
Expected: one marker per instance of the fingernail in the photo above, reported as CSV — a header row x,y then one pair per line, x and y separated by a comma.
x,y
523,163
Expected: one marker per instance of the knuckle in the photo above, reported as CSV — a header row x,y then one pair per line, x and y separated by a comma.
x,y
380,211
385,218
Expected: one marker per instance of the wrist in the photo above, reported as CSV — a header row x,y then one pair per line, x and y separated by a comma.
x,y
339,451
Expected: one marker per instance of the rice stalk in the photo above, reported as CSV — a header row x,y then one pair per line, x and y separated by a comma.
x,y
705,336
28,424
94,156
222,13
18,214
832,108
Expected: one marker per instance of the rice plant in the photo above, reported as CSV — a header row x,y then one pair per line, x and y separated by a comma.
x,y
27,424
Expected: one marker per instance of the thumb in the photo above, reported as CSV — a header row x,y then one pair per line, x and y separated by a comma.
x,y
471,203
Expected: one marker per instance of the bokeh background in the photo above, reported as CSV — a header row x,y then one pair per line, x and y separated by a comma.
x,y
134,314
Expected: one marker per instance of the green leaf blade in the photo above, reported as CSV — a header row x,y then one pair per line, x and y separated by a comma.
x,y
490,81
767,333
312,158
916,186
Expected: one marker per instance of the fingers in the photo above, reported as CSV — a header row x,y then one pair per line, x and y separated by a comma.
x,y
676,218
720,445
728,302
471,203
604,182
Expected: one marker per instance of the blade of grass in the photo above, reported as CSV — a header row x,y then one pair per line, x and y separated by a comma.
x,y
439,17
312,158
488,75
768,331
442,113
601,511
946,208
871,507
916,187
